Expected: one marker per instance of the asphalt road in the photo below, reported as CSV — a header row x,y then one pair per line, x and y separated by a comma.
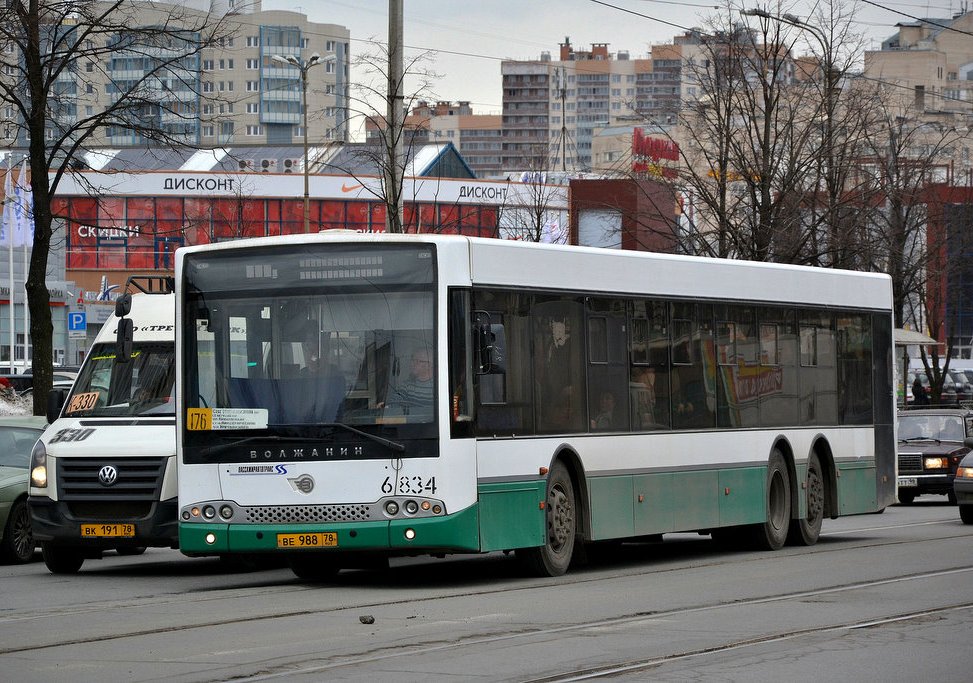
x,y
884,597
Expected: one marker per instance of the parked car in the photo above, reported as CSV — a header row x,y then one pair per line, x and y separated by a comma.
x,y
948,394
18,434
962,385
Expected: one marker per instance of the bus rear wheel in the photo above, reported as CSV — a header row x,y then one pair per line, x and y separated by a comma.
x,y
807,530
772,534
554,557
312,566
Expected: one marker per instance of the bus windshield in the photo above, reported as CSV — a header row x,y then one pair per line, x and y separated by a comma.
x,y
142,386
354,358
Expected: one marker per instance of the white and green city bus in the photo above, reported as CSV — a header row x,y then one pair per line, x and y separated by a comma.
x,y
348,396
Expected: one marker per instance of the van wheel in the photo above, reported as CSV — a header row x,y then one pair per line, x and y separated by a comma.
x,y
61,560
807,530
17,546
561,526
772,534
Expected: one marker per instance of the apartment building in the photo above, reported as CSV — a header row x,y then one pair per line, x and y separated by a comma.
x,y
552,109
232,93
477,137
931,62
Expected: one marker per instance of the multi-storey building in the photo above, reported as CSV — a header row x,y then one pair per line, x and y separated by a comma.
x,y
931,62
477,137
234,92
553,108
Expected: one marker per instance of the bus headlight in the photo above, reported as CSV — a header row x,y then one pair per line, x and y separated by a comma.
x,y
38,465
391,508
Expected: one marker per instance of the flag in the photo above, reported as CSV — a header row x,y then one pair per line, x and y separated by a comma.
x,y
23,227
8,209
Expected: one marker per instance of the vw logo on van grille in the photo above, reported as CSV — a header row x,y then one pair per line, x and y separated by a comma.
x,y
108,475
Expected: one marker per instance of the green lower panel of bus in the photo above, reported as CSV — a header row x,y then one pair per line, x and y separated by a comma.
x,y
857,490
458,533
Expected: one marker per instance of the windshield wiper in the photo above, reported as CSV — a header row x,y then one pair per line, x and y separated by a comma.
x,y
392,445
249,439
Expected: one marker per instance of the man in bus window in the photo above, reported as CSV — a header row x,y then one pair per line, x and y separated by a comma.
x,y
415,394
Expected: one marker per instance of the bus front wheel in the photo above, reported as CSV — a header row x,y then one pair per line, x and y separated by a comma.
x,y
807,530
554,557
312,566
772,534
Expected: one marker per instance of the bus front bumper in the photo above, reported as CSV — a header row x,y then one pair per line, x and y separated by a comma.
x,y
449,533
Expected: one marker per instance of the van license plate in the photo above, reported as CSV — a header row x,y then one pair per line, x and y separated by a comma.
x,y
325,539
909,482
107,531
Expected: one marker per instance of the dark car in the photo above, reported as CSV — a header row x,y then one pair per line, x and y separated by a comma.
x,y
17,437
963,489
931,444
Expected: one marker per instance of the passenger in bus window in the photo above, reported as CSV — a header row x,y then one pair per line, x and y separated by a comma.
x,y
606,412
415,394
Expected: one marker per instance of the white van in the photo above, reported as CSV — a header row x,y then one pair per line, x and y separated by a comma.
x,y
103,475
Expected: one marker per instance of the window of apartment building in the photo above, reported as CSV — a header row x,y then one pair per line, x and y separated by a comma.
x,y
228,87
222,64
305,43
207,109
89,110
226,108
616,78
10,70
89,67
329,89
253,41
255,130
253,107
208,131
329,67
89,88
207,86
226,130
616,92
920,97
253,63
329,46
253,86
207,65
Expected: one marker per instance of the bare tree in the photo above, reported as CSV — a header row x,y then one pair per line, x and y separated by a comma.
x,y
56,50
369,93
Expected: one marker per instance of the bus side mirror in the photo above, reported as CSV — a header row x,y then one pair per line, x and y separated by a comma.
x,y
492,345
55,401
123,340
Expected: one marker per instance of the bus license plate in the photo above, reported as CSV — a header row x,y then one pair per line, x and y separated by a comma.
x,y
108,531
325,539
911,482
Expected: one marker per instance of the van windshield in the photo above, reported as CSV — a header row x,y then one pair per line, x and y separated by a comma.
x,y
142,386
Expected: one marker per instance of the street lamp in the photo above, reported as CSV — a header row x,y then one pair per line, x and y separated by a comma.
x,y
303,67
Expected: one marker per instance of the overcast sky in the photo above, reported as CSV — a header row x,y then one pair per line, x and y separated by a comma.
x,y
474,37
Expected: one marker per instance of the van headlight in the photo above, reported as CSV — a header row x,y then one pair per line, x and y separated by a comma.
x,y
38,465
